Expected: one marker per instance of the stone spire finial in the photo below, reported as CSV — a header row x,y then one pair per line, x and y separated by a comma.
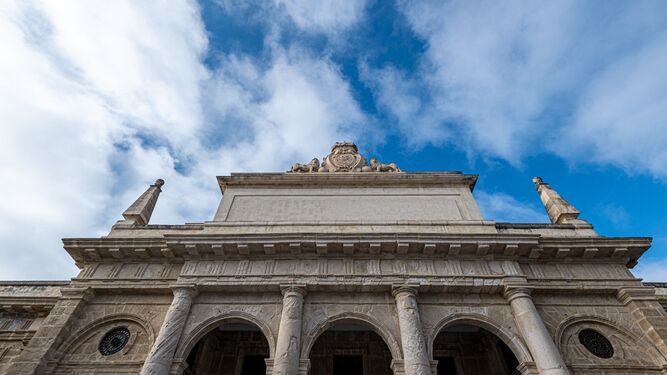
x,y
139,213
558,209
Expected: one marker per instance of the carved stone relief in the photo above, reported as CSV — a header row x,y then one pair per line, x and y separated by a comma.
x,y
628,350
83,347
344,157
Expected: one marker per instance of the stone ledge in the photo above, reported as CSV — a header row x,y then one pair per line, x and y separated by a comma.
x,y
477,246
370,179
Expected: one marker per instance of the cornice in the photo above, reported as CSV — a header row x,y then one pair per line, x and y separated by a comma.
x,y
468,246
364,179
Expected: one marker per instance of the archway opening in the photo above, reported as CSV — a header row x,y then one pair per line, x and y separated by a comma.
x,y
471,350
232,348
350,348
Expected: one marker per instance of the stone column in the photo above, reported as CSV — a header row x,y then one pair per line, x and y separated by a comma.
x,y
288,348
415,354
160,358
56,328
534,332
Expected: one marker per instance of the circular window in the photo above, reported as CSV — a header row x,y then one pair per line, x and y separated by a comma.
x,y
596,343
114,340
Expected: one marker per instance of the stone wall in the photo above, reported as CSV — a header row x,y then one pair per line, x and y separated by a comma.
x,y
140,314
24,306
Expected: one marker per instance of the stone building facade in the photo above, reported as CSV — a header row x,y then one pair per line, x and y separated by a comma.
x,y
344,267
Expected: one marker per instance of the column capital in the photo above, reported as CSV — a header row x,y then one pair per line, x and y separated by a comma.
x,y
514,292
400,289
291,289
190,290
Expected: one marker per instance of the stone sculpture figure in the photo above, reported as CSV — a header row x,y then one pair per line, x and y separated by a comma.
x,y
376,166
311,167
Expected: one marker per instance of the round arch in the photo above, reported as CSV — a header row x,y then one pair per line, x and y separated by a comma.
x,y
513,341
582,318
612,326
211,323
365,320
93,326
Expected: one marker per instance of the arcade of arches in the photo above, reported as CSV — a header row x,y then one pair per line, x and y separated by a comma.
x,y
349,348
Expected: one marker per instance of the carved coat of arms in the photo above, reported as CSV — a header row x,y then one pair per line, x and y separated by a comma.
x,y
344,157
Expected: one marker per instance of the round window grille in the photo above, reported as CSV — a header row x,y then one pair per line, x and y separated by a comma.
x,y
114,340
596,343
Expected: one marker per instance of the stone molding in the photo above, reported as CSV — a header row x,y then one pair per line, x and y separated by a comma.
x,y
189,290
584,318
398,366
626,295
400,289
408,179
77,293
91,327
304,366
619,332
299,290
180,248
512,292
527,368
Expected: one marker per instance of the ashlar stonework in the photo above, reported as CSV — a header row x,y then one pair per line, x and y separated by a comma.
x,y
342,267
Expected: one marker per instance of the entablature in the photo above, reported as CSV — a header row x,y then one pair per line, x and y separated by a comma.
x,y
624,250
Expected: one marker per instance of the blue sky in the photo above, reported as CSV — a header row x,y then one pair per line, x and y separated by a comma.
x,y
101,98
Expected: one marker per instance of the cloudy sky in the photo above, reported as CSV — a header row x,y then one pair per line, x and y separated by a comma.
x,y
100,98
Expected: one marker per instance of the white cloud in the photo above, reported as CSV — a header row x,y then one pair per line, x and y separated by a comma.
x,y
100,98
505,208
622,116
327,16
510,79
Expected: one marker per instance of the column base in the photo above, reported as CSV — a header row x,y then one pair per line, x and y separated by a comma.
x,y
178,367
304,366
526,368
269,365
398,366
434,367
